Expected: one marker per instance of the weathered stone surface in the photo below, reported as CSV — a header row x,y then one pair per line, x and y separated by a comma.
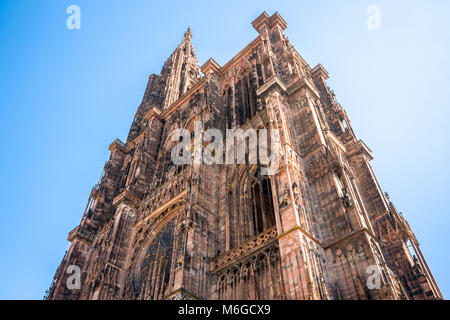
x,y
156,230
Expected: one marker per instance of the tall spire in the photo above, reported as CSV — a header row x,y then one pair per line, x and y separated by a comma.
x,y
181,71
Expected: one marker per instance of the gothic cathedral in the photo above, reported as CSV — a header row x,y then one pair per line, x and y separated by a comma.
x,y
320,227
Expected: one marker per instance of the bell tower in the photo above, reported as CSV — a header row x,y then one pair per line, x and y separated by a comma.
x,y
317,227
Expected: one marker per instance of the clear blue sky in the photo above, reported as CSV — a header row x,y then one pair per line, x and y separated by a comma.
x,y
66,94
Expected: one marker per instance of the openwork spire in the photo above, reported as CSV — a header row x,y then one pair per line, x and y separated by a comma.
x,y
181,71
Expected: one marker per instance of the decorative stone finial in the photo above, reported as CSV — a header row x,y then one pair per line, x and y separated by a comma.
x,y
188,33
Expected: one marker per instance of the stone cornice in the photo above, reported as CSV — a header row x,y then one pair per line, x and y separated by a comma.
x,y
265,21
82,234
211,66
320,71
127,197
358,148
273,81
117,144
262,20
277,20
303,83
153,112
304,232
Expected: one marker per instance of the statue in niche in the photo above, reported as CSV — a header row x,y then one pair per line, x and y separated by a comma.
x,y
284,198
180,246
346,200
296,194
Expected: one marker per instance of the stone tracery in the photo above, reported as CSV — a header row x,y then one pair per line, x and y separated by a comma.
x,y
153,230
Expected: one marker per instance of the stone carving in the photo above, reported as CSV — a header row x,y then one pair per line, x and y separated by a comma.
x,y
242,251
284,199
155,230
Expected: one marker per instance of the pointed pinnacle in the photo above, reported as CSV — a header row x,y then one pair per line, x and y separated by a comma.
x,y
188,33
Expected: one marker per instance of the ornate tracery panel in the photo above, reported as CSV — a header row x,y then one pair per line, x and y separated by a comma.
x,y
154,275
257,275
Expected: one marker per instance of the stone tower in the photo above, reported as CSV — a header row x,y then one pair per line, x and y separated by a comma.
x,y
320,227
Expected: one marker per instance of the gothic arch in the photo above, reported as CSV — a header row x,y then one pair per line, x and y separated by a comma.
x,y
153,264
258,189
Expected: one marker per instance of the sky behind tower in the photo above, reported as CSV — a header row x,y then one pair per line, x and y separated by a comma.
x,y
65,95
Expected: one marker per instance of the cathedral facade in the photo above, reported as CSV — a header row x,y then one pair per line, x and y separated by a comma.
x,y
319,227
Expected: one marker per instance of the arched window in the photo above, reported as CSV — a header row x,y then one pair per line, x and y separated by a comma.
x,y
156,266
262,204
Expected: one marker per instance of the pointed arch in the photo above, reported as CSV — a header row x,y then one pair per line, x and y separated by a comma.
x,y
258,190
